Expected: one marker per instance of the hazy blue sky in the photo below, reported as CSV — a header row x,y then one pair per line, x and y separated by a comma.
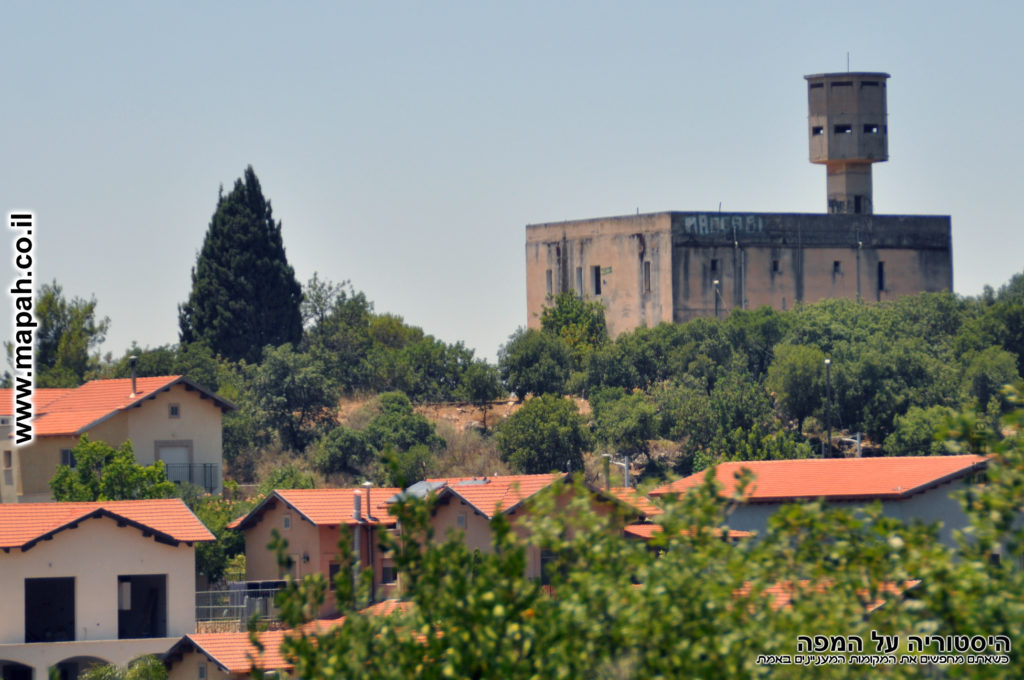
x,y
406,145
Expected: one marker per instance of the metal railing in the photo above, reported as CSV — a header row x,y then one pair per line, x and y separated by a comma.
x,y
239,602
200,474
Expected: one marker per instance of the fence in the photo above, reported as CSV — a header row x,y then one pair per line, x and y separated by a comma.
x,y
200,474
238,603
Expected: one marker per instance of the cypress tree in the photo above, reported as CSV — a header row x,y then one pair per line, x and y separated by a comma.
x,y
244,293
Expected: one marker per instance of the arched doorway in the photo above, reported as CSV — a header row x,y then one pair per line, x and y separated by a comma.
x,y
69,668
12,670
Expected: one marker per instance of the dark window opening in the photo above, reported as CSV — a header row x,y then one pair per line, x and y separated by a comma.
x,y
837,267
857,205
714,266
817,130
775,267
547,280
579,280
995,559
174,411
142,606
871,128
843,129
388,573
869,83
49,609
67,457
843,83
596,276
815,86
881,276
647,277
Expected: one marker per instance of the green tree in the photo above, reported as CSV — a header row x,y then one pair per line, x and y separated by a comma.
x,y
917,432
533,362
987,372
103,473
797,377
342,450
625,423
287,476
546,434
481,385
68,330
143,668
398,425
216,513
293,395
579,323
244,293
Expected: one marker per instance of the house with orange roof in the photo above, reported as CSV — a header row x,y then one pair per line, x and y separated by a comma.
x,y
87,583
909,488
167,418
313,521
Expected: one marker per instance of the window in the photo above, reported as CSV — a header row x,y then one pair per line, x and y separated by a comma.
x,y
5,421
49,609
647,277
843,129
332,571
67,457
8,459
871,128
286,522
843,83
596,276
817,130
201,673
881,277
174,411
579,280
858,206
460,521
388,572
714,266
837,267
548,281
142,606
776,269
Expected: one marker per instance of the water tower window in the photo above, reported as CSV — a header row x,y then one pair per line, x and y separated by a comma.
x,y
815,86
714,266
843,83
775,267
547,280
596,276
817,130
843,129
871,129
881,276
869,83
837,267
647,277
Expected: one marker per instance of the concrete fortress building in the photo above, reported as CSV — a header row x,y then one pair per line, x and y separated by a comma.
x,y
676,266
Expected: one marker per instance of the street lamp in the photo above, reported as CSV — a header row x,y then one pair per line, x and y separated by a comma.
x,y
828,402
622,464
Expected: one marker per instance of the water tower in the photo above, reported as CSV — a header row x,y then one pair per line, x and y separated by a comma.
x,y
848,132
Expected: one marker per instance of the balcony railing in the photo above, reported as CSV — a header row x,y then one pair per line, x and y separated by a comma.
x,y
201,474
239,602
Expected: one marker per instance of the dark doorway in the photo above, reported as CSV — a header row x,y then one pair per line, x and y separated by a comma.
x,y
49,609
12,670
142,606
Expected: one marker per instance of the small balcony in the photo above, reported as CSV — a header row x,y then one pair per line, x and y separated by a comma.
x,y
205,475
231,609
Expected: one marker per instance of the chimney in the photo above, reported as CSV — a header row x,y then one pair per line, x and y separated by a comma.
x,y
369,508
357,505
131,362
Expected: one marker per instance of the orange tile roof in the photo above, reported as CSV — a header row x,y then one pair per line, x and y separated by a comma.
x,y
500,492
235,653
634,499
24,524
782,593
836,478
41,397
647,531
324,507
67,412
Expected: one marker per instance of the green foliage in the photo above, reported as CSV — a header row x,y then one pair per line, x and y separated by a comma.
x,y
213,558
143,668
580,325
103,473
624,423
342,450
399,426
195,361
67,331
481,384
917,432
797,377
288,476
404,467
987,372
533,362
546,434
689,604
292,395
244,293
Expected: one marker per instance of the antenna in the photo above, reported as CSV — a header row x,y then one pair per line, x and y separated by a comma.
x,y
847,62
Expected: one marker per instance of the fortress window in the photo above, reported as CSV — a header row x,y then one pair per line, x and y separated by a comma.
x,y
881,276
871,129
647,277
837,267
843,129
817,130
714,266
596,276
547,280
775,267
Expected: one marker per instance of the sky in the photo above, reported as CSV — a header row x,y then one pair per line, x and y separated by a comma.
x,y
406,145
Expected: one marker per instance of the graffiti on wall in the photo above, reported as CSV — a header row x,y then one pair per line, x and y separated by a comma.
x,y
722,224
